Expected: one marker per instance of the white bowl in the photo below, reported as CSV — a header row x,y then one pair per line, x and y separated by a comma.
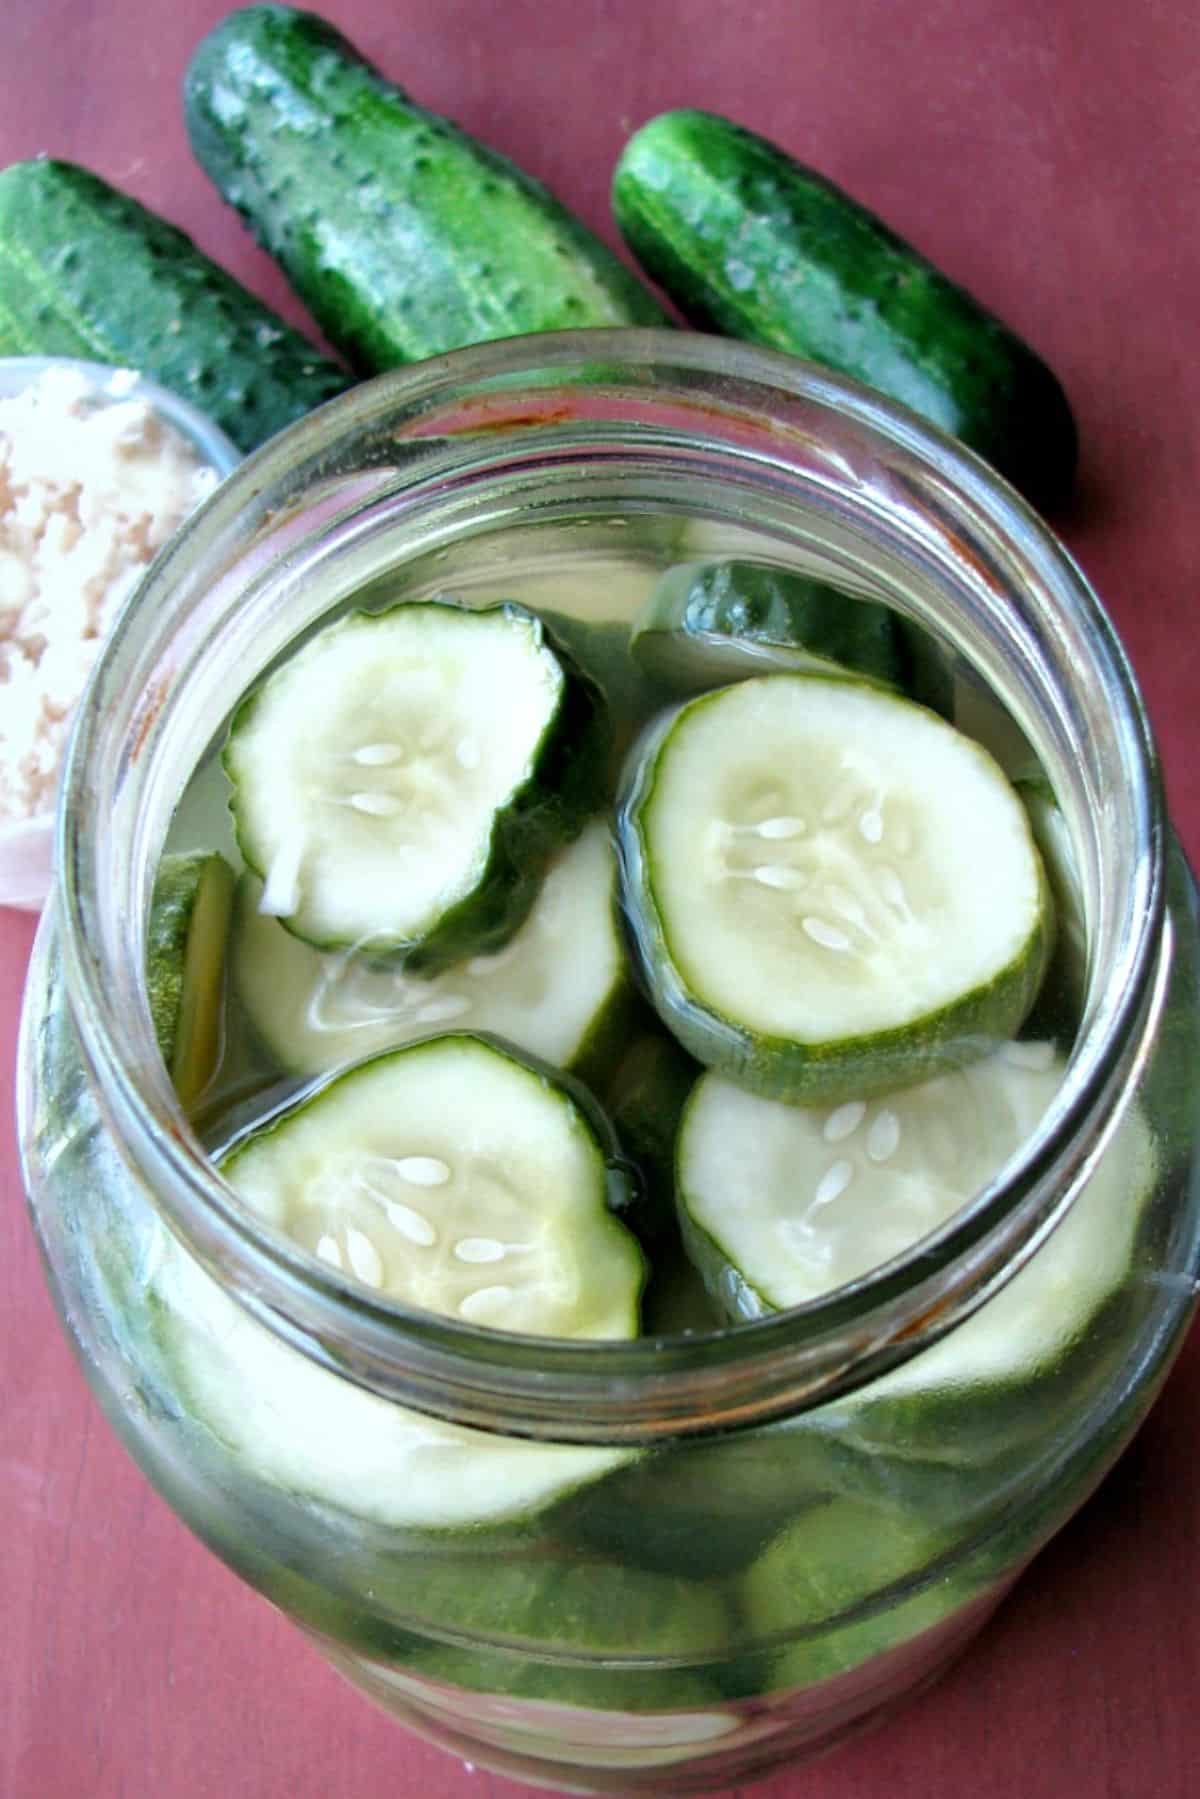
x,y
27,845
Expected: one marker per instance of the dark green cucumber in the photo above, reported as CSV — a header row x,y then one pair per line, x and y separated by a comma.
x,y
403,236
748,241
85,270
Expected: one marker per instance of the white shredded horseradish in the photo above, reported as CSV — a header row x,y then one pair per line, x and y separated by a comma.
x,y
88,494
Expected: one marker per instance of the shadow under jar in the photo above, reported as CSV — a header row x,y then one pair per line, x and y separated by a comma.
x,y
699,1552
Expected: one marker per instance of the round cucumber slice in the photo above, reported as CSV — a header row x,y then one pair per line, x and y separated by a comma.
x,y
1061,998
458,1178
299,1427
548,1602
781,1204
704,1509
830,891
709,623
401,781
185,965
559,989
827,1578
596,1713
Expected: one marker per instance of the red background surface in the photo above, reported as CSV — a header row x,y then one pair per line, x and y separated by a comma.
x,y
1049,157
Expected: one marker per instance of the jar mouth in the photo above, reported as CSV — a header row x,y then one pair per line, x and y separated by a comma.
x,y
556,407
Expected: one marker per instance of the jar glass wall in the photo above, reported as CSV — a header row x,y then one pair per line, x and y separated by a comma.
x,y
658,1565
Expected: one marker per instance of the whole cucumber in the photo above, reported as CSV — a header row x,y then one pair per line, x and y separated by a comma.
x,y
403,236
747,241
86,270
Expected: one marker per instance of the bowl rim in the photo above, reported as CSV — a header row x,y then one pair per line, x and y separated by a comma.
x,y
112,383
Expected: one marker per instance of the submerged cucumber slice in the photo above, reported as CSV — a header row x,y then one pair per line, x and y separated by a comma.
x,y
560,989
590,1605
185,965
594,1711
830,891
851,1580
1062,995
781,1204
303,1429
709,623
459,1179
704,1509
401,781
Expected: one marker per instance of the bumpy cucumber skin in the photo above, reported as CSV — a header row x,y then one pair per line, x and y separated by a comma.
x,y
965,1030
85,270
748,241
702,617
564,787
403,236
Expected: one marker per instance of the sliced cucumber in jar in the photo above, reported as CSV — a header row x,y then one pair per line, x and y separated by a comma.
x,y
293,1425
851,1581
400,783
599,1712
559,989
830,891
706,624
704,1509
458,1178
781,1204
590,1605
1065,986
185,965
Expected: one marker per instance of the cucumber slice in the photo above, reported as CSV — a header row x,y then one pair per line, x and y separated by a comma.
x,y
831,892
781,1204
595,1713
704,1509
185,965
852,1580
592,1606
301,1428
459,1179
966,1454
560,989
709,623
1061,999
401,781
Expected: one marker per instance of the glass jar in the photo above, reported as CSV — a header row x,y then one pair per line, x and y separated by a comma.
x,y
662,1565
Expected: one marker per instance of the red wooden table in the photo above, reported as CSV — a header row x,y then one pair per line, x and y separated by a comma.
x,y
1047,155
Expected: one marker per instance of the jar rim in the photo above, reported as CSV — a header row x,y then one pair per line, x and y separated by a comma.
x,y
596,1391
